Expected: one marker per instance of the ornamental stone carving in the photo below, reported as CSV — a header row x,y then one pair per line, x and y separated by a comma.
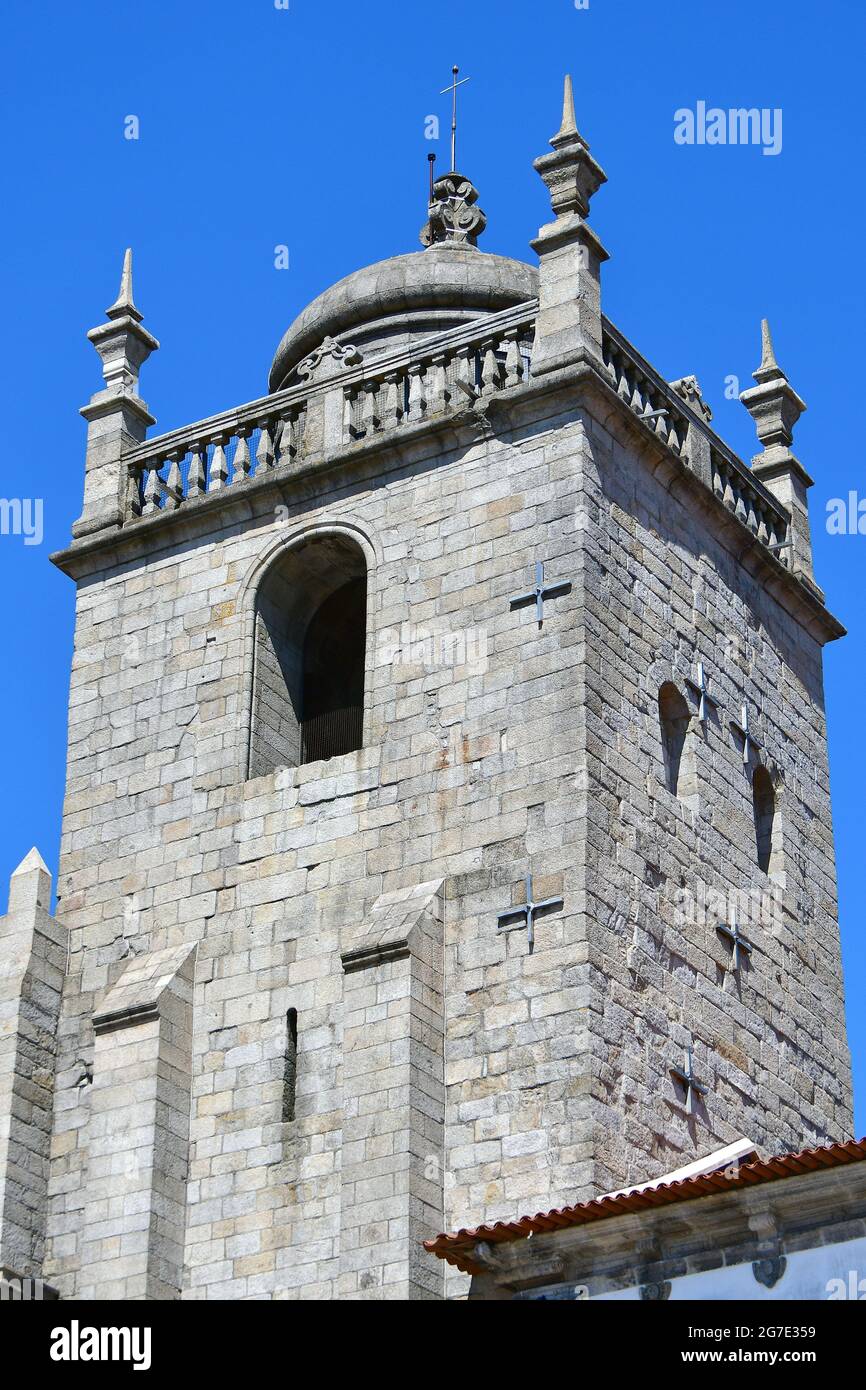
x,y
453,214
329,355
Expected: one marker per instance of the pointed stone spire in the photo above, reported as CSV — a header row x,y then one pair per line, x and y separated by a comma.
x,y
571,173
773,404
122,343
30,885
768,356
570,254
775,408
117,417
568,129
124,303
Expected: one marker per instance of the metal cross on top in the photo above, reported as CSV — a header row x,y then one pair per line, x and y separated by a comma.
x,y
540,592
527,911
453,90
737,940
744,730
686,1076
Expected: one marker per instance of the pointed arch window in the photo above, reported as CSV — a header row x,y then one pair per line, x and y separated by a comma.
x,y
674,720
310,649
766,824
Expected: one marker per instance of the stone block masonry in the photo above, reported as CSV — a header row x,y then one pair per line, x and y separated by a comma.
x,y
138,1130
544,755
293,1041
33,950
393,1097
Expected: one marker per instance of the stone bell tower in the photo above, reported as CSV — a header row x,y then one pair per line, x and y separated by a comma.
x,y
437,720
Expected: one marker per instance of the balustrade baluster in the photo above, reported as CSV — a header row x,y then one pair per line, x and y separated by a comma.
x,y
133,493
241,461
490,369
174,481
438,397
219,468
351,413
196,481
417,391
513,358
624,385
265,450
369,412
392,401
465,375
152,490
283,441
730,497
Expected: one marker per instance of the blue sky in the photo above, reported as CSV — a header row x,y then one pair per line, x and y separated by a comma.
x,y
305,127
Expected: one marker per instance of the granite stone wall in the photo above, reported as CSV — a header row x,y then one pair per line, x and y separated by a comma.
x,y
494,747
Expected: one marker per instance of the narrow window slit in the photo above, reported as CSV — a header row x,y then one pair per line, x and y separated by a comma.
x,y
290,1069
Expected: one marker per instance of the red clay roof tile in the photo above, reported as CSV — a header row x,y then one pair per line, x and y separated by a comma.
x,y
457,1248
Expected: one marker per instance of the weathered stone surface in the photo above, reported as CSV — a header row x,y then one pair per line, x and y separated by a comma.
x,y
493,747
32,962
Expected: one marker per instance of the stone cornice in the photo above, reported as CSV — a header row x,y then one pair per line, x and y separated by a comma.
x,y
579,384
112,402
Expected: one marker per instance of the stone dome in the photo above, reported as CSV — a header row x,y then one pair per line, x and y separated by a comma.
x,y
395,303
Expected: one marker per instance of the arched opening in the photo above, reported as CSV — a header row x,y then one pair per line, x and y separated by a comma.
x,y
764,808
333,699
674,725
310,643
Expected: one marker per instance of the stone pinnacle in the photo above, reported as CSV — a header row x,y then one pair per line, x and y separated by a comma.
x,y
124,303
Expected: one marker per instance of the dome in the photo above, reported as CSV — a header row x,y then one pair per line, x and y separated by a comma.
x,y
394,303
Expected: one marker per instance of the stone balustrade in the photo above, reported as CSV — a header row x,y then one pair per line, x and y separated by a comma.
x,y
747,499
645,392
450,372
454,368
213,454
452,376
655,402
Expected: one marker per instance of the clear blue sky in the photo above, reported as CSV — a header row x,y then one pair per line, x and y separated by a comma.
x,y
260,127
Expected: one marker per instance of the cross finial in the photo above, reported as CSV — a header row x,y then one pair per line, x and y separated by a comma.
x,y
124,303
453,90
